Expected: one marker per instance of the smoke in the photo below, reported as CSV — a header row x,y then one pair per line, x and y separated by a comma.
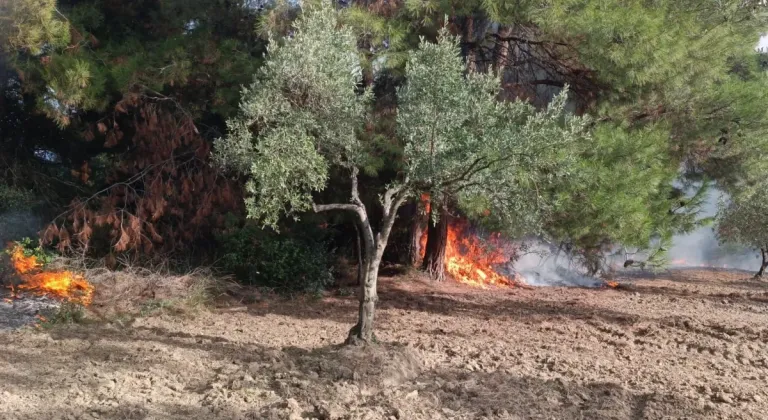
x,y
542,264
17,224
702,248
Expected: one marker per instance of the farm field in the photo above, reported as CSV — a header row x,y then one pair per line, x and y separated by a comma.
x,y
685,344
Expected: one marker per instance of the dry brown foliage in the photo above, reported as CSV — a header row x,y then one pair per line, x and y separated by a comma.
x,y
161,195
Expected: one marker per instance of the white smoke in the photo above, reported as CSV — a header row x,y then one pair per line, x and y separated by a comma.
x,y
16,224
702,248
542,264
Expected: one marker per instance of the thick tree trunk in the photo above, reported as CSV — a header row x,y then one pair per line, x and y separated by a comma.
x,y
764,263
437,240
501,51
414,251
359,255
362,332
374,246
469,38
418,220
4,75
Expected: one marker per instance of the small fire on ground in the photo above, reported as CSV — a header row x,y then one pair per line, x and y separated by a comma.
x,y
65,285
471,260
686,263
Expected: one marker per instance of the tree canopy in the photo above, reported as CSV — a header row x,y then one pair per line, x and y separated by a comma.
x,y
576,120
299,118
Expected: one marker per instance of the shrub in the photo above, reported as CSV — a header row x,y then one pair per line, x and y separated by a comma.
x,y
14,199
32,248
285,263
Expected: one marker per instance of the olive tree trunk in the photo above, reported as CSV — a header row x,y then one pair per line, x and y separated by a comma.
x,y
359,256
374,246
418,221
437,240
764,263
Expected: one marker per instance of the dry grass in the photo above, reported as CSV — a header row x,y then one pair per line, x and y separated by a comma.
x,y
145,289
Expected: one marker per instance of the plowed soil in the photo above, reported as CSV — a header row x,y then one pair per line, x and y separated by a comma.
x,y
687,344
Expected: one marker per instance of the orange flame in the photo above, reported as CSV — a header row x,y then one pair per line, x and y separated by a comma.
x,y
467,258
612,284
426,202
470,260
63,284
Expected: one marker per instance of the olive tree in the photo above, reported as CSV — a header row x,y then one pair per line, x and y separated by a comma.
x,y
743,220
743,217
298,122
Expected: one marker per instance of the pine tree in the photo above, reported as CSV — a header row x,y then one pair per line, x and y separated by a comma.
x,y
620,192
138,91
635,66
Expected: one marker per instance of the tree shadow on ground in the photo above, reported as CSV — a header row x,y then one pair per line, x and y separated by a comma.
x,y
503,395
396,383
488,307
758,296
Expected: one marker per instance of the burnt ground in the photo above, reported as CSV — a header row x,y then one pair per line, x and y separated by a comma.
x,y
687,344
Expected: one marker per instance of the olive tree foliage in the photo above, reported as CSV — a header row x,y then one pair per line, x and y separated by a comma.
x,y
460,141
299,118
743,217
743,220
303,109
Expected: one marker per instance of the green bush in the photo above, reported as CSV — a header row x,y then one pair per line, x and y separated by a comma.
x,y
287,263
14,199
32,248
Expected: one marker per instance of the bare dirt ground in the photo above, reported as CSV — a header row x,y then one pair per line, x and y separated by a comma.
x,y
689,344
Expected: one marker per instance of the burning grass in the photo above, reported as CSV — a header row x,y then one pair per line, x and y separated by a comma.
x,y
472,260
65,285
121,295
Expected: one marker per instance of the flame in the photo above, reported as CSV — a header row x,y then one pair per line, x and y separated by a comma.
x,y
426,202
63,284
612,284
470,260
685,263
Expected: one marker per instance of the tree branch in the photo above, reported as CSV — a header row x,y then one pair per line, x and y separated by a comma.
x,y
355,189
548,82
466,173
398,194
389,219
317,208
